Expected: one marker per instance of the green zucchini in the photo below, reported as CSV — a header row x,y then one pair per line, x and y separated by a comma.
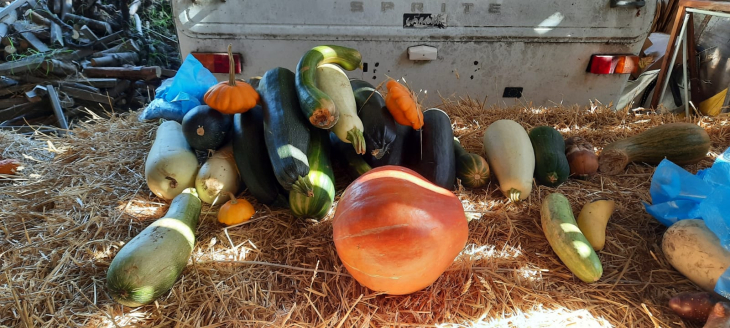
x,y
379,125
566,239
354,162
318,203
286,133
551,165
317,106
437,162
252,159
149,264
471,169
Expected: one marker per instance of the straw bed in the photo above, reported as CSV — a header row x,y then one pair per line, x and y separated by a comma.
x,y
82,196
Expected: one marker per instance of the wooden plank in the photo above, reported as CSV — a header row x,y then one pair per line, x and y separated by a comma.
x,y
678,20
22,109
99,26
24,31
21,66
116,60
726,103
103,83
15,5
84,95
693,69
706,5
10,102
127,73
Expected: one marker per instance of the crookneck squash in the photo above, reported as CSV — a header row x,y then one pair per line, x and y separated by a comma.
x,y
681,143
317,106
285,130
379,126
332,80
551,165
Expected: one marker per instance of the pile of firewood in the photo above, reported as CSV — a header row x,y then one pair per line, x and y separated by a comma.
x,y
64,59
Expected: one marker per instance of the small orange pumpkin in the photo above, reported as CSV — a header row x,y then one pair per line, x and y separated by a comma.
x,y
235,211
9,166
402,104
232,96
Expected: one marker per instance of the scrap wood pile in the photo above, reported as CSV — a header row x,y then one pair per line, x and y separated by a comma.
x,y
82,197
77,58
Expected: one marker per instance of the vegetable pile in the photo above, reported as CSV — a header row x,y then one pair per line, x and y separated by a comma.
x,y
399,225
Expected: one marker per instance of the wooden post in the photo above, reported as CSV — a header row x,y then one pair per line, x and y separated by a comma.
x,y
117,59
98,26
127,73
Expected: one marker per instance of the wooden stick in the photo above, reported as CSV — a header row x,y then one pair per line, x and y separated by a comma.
x,y
34,42
98,26
119,89
15,5
3,30
58,67
127,46
117,59
57,109
54,19
37,18
85,95
56,35
127,73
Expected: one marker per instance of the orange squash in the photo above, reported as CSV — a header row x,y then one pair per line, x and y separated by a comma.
x,y
396,232
235,211
403,105
232,96
9,166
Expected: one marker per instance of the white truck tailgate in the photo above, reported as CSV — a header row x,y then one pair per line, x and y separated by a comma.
x,y
502,51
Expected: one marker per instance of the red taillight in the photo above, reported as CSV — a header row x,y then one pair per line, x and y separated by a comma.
x,y
217,62
613,64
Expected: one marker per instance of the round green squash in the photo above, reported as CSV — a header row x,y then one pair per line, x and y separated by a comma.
x,y
206,128
551,165
471,169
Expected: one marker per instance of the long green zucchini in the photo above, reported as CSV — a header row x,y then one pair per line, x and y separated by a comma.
x,y
567,240
149,264
286,133
252,159
317,106
322,178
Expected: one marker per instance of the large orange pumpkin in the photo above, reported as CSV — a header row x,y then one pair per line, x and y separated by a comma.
x,y
396,232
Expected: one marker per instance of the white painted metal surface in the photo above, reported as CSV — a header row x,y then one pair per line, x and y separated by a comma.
x,y
483,46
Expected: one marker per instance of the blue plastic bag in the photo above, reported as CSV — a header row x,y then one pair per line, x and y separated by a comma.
x,y
173,111
680,195
178,95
